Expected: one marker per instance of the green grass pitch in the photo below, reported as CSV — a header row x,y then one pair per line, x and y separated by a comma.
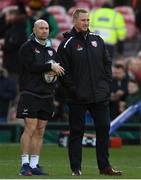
x,y
55,160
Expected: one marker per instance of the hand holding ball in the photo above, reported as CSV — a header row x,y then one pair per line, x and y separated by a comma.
x,y
50,77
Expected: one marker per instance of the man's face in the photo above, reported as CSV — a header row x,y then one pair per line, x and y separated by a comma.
x,y
119,73
41,31
132,88
82,22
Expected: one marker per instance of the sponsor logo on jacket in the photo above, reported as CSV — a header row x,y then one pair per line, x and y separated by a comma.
x,y
79,47
50,52
94,43
37,51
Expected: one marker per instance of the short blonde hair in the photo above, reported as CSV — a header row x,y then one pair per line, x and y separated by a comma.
x,y
76,13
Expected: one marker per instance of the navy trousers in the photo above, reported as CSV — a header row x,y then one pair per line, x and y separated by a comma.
x,y
100,114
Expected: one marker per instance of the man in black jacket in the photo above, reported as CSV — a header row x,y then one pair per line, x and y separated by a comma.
x,y
8,92
87,80
36,95
13,30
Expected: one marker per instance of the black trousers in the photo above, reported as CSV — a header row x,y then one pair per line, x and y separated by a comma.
x,y
100,114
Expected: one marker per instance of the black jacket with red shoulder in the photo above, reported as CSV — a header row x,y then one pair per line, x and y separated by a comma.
x,y
33,58
87,67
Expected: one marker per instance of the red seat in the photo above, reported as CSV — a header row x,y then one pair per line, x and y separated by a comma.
x,y
55,43
71,10
60,36
5,3
87,4
127,12
129,17
56,10
45,2
61,18
64,22
64,27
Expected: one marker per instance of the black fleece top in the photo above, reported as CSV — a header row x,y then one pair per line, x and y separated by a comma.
x,y
33,57
87,67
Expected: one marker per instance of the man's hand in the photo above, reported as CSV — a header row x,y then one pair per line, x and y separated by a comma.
x,y
59,70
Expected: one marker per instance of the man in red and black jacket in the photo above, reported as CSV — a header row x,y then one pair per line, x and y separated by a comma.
x,y
87,80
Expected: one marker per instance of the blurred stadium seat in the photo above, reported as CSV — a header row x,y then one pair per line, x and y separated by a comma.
x,y
55,10
64,22
55,43
5,3
9,8
87,4
64,27
71,10
46,2
129,17
63,19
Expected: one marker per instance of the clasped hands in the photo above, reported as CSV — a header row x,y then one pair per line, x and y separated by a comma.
x,y
57,69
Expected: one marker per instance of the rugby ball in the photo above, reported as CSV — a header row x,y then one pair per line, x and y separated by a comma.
x,y
50,76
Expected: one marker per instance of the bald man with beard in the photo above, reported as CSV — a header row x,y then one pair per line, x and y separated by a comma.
x,y
36,95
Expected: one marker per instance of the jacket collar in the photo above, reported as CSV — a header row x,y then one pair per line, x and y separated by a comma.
x,y
73,32
34,39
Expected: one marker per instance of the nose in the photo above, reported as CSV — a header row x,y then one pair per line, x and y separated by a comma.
x,y
87,23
